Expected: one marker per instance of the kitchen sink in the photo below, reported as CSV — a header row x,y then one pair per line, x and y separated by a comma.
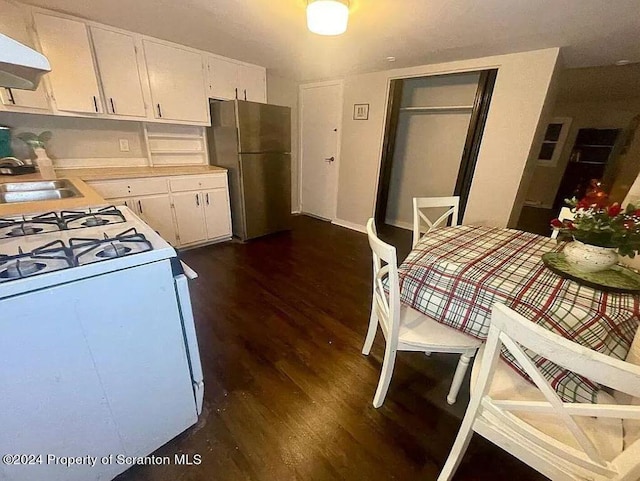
x,y
37,185
37,195
37,191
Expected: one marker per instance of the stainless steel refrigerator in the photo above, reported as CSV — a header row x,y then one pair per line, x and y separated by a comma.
x,y
253,141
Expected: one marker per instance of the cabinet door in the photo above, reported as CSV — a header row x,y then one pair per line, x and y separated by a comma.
x,y
73,78
176,78
13,24
155,210
222,78
118,67
189,217
252,83
216,213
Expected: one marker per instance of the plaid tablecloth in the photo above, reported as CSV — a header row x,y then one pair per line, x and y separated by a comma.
x,y
455,274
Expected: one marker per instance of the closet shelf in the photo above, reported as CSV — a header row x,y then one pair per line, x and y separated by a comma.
x,y
444,108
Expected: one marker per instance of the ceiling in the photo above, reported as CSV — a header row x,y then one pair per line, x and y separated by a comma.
x,y
273,32
597,84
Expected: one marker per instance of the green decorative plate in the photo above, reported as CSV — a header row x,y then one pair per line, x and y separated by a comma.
x,y
616,279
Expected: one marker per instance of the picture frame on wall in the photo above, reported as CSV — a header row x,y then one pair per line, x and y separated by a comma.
x,y
361,112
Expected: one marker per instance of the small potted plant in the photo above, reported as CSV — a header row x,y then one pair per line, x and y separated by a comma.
x,y
37,144
599,233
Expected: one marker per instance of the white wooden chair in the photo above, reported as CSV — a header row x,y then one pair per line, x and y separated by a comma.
x,y
419,217
563,441
404,328
565,214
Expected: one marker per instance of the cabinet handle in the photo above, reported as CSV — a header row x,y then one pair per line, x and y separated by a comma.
x,y
125,203
11,97
236,92
198,200
140,207
207,198
113,106
245,94
95,103
159,111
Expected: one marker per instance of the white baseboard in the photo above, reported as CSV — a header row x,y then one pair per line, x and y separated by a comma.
x,y
400,224
296,212
349,225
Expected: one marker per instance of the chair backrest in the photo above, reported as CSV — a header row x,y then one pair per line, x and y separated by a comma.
x,y
565,214
422,223
515,333
386,302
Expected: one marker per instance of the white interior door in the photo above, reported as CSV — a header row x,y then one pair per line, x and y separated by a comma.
x,y
320,114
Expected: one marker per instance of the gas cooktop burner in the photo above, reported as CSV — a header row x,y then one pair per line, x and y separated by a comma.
x,y
87,251
95,221
24,230
65,220
22,269
50,257
114,250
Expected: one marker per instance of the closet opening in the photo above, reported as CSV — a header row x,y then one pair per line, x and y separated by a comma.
x,y
433,132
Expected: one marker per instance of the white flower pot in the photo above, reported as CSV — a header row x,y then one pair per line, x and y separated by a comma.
x,y
588,258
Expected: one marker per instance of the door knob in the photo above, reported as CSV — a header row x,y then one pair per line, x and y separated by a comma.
x,y
329,159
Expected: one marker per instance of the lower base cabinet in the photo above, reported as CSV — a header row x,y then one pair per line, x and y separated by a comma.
x,y
189,217
182,216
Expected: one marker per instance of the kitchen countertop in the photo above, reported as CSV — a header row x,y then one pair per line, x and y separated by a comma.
x,y
89,197
112,173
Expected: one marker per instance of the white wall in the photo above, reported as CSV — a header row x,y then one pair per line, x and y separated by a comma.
x,y
78,138
519,97
283,91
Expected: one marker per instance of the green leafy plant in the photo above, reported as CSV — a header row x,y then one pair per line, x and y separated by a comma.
x,y
603,226
35,141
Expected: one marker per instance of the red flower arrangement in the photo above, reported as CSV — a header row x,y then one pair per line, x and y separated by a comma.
x,y
602,225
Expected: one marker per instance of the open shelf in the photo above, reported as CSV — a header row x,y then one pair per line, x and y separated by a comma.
x,y
443,108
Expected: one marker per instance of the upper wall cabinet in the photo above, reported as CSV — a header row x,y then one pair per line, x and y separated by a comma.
x,y
252,83
13,24
231,80
119,71
176,78
73,78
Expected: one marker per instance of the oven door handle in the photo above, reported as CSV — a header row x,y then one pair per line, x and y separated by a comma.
x,y
188,271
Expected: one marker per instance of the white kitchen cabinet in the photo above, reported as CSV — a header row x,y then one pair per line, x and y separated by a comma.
x,y
155,210
119,71
176,78
13,24
252,83
230,80
190,217
216,213
222,76
73,77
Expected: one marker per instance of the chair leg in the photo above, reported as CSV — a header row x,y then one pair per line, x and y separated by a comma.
x,y
371,332
385,375
458,377
459,446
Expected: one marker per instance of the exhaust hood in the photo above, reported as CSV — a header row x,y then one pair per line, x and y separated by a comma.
x,y
21,67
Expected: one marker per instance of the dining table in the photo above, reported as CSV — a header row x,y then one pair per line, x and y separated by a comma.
x,y
456,274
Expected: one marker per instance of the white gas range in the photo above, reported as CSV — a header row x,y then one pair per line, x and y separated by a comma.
x,y
98,352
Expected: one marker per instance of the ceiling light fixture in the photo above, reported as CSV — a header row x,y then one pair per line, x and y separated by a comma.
x,y
327,17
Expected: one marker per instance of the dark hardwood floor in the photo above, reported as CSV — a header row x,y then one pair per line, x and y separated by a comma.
x,y
281,321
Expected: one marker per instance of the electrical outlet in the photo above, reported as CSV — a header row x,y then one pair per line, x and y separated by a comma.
x,y
124,145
